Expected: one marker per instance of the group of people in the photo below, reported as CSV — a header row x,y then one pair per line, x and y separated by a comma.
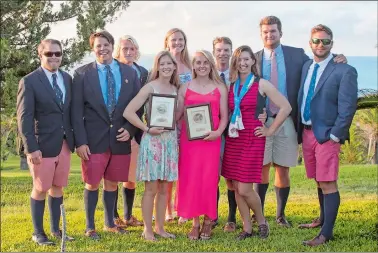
x,y
262,106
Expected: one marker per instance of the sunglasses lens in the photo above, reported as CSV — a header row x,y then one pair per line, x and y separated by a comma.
x,y
315,41
50,54
326,42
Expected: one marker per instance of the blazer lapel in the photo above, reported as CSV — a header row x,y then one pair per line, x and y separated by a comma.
x,y
125,86
46,82
96,88
327,72
287,58
68,90
259,62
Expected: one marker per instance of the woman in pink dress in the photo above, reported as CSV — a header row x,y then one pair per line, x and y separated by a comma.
x,y
245,141
199,159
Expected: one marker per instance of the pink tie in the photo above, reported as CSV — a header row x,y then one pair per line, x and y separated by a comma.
x,y
274,80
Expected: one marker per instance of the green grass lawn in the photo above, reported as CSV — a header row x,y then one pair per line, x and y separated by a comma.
x,y
356,225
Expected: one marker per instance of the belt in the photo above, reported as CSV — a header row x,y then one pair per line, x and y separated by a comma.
x,y
307,127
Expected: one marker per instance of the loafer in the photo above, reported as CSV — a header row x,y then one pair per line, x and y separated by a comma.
x,y
120,222
316,241
41,239
281,221
116,230
230,227
315,223
92,234
58,235
134,222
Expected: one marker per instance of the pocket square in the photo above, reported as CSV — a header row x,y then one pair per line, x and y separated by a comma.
x,y
126,81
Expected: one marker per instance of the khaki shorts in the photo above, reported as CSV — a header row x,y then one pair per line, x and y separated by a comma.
x,y
282,147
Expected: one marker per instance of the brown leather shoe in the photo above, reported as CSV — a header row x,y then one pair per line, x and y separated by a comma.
x,y
119,222
318,240
229,227
244,235
134,222
92,234
116,230
281,221
58,235
314,224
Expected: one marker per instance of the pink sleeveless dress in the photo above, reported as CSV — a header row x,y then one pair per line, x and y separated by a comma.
x,y
199,164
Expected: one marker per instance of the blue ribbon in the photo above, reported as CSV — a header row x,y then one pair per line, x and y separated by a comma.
x,y
239,97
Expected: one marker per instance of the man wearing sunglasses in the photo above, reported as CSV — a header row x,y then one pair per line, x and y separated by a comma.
x,y
327,102
282,66
43,117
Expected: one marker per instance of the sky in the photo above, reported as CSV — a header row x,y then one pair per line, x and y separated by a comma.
x,y
354,24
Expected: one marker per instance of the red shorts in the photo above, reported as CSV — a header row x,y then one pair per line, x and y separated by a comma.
x,y
321,160
110,167
52,170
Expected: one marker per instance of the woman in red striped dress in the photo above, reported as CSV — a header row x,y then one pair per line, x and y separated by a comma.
x,y
245,142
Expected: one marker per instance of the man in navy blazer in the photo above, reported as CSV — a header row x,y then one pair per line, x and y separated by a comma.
x,y
44,124
327,102
101,91
282,66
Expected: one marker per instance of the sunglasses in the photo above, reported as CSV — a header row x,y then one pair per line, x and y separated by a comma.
x,y
50,54
325,42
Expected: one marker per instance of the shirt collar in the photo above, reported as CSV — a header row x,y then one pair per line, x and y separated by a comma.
x,y
102,66
49,73
323,63
268,52
226,72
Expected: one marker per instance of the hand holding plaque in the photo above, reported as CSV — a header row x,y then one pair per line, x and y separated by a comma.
x,y
198,121
162,110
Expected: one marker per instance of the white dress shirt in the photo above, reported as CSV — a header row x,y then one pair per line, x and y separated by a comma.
x,y
226,76
59,80
322,66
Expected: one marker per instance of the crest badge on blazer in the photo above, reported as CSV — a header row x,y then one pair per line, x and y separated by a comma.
x,y
126,81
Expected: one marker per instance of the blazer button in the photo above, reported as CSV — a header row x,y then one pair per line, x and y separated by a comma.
x,y
61,127
111,125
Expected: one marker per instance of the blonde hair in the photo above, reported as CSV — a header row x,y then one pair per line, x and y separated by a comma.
x,y
184,55
175,81
225,40
117,51
234,73
213,75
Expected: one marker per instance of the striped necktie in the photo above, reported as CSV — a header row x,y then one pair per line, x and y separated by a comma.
x,y
57,90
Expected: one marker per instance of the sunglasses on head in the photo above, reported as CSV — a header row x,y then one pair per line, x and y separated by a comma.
x,y
325,42
50,54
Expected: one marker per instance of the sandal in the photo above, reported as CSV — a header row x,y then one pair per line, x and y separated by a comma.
x,y
153,239
165,234
194,234
206,230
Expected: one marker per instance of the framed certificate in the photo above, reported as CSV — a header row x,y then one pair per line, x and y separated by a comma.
x,y
161,112
198,121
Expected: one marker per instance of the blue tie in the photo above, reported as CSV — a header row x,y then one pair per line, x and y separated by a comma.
x,y
223,77
310,93
111,103
58,91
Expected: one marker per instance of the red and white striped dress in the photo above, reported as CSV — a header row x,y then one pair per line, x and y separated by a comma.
x,y
244,155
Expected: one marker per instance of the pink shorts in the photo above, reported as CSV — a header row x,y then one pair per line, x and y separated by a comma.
x,y
110,167
52,171
321,160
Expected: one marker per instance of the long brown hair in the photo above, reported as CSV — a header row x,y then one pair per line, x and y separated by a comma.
x,y
234,73
184,55
213,75
175,81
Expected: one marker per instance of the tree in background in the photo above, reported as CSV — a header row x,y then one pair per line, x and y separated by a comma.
x,y
23,25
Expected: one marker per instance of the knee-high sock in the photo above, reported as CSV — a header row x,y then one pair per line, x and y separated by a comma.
x,y
108,198
282,195
321,204
331,208
116,215
128,202
37,210
90,203
232,206
261,190
54,207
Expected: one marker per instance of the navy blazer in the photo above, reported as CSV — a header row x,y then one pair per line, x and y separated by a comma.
x,y
90,119
333,104
294,60
42,122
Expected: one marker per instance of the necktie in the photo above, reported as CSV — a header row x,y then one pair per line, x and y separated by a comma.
x,y
223,77
274,80
310,93
111,103
57,90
